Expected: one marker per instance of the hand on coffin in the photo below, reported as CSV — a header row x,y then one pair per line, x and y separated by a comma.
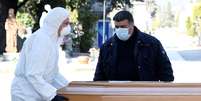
x,y
60,98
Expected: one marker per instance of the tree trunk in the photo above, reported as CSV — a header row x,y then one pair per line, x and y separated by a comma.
x,y
3,13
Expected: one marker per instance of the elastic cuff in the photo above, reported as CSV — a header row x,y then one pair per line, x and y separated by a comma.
x,y
52,97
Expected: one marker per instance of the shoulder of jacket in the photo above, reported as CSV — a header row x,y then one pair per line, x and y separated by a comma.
x,y
147,39
109,42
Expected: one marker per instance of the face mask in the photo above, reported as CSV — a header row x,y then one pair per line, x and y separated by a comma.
x,y
65,31
122,34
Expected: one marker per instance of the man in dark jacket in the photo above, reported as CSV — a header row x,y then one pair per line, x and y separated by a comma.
x,y
131,55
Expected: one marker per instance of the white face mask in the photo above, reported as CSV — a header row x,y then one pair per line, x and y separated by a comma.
x,y
122,33
65,31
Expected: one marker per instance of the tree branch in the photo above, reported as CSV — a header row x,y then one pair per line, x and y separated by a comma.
x,y
22,4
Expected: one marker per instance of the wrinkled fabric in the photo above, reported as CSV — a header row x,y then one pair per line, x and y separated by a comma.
x,y
37,77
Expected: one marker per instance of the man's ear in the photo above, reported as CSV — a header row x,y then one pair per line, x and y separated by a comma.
x,y
131,29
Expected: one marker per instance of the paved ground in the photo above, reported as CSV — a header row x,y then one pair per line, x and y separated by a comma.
x,y
184,54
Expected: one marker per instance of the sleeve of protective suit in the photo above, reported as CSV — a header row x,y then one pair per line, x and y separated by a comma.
x,y
59,81
36,64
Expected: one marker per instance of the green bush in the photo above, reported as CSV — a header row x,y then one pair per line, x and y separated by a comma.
x,y
192,22
155,24
25,19
88,21
190,27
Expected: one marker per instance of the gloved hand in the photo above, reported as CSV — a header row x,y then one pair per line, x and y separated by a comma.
x,y
59,98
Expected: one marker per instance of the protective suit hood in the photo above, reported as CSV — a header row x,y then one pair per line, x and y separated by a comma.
x,y
54,19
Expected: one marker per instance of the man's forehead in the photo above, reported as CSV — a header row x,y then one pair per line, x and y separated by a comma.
x,y
123,22
66,20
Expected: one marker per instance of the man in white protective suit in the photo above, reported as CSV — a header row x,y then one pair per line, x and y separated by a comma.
x,y
37,77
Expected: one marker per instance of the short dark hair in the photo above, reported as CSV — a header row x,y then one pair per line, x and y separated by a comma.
x,y
123,15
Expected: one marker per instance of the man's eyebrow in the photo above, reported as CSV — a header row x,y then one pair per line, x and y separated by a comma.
x,y
122,26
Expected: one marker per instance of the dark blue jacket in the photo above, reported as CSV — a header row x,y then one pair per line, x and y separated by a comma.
x,y
152,61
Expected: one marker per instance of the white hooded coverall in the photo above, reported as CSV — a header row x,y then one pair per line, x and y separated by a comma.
x,y
36,75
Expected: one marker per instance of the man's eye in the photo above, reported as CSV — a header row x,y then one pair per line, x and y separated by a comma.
x,y
120,26
124,27
116,26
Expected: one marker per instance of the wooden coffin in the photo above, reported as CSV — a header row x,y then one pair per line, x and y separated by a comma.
x,y
132,91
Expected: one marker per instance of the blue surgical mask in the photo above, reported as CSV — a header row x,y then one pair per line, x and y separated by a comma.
x,y
122,33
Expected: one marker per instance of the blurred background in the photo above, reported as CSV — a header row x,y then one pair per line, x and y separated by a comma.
x,y
176,23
